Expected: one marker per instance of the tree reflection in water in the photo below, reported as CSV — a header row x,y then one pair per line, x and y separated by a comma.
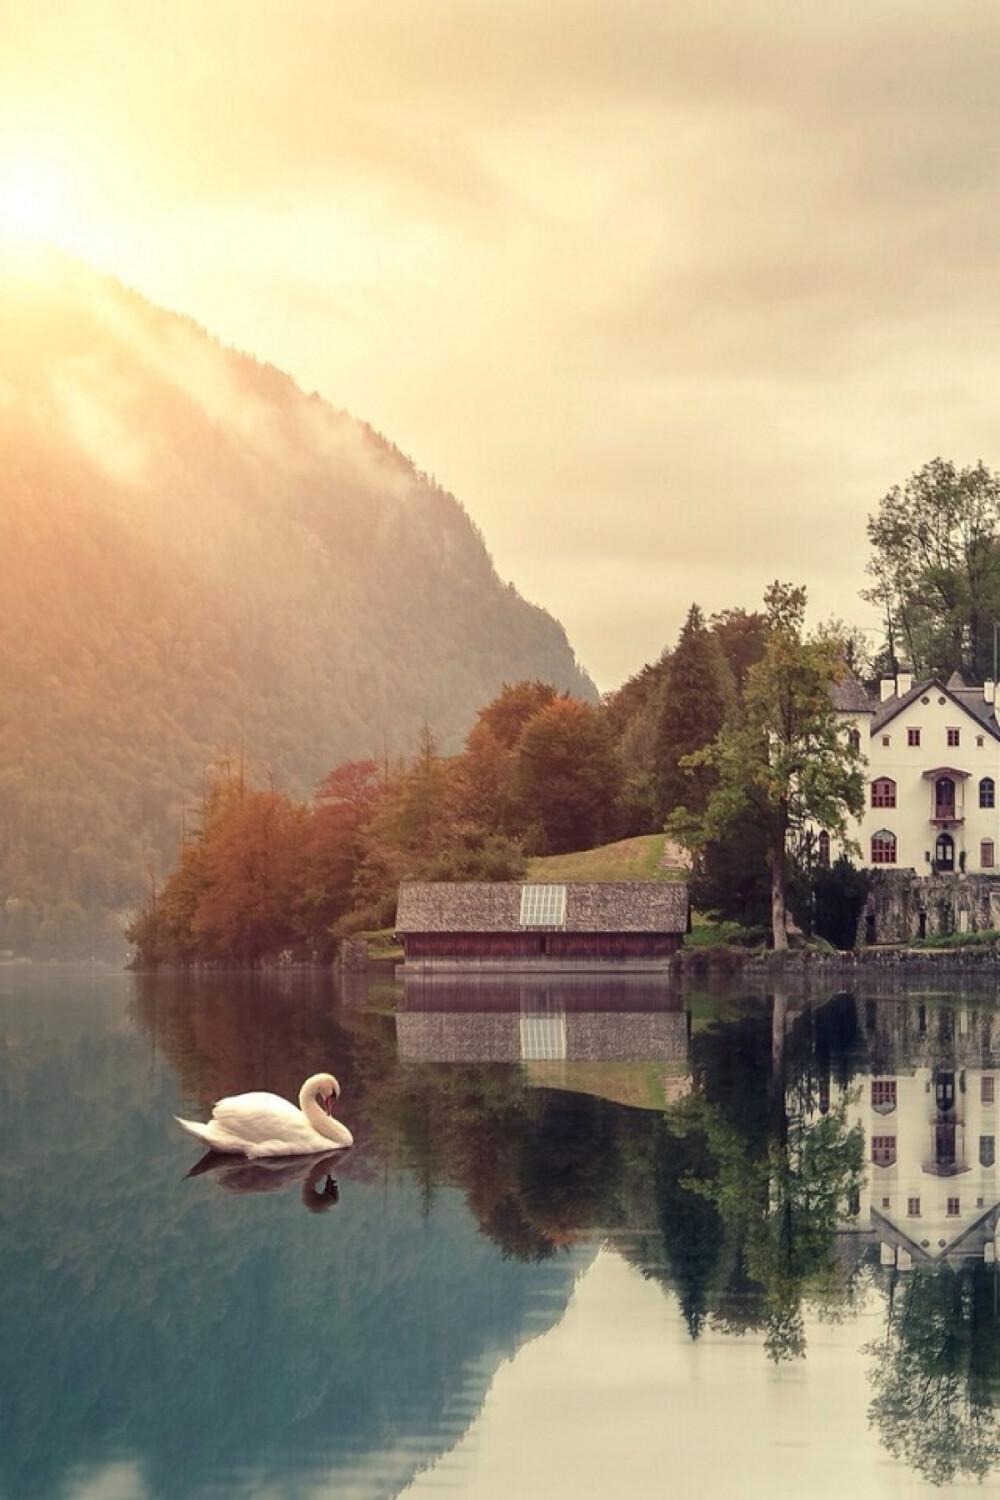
x,y
741,1198
936,1373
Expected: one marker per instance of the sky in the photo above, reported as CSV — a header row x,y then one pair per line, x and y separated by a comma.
x,y
667,296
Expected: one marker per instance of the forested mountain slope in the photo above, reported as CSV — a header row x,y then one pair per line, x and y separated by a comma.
x,y
197,556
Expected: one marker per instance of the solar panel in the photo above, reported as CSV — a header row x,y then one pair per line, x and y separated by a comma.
x,y
543,906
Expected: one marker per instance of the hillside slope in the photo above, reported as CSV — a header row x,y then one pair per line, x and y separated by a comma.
x,y
197,556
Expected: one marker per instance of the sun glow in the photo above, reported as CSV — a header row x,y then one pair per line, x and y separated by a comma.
x,y
34,202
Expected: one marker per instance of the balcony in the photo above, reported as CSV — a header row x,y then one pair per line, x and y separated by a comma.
x,y
947,796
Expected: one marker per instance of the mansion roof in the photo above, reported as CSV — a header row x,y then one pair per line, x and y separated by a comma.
x,y
968,699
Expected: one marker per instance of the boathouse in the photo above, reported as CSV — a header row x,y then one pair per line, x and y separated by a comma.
x,y
627,925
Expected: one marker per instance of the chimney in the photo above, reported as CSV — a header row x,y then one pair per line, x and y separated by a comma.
x,y
887,688
904,682
989,691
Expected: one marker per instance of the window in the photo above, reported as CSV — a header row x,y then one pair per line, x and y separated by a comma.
x,y
823,849
986,1089
944,798
986,859
883,792
913,1208
884,1150
884,1095
883,847
987,1150
987,792
886,741
954,736
953,1208
543,906
913,736
980,740
854,738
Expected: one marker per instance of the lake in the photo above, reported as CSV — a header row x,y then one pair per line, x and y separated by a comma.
x,y
593,1238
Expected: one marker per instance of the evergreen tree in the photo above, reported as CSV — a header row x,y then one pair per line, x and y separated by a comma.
x,y
698,698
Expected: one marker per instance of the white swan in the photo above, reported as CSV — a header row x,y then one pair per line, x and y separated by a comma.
x,y
267,1125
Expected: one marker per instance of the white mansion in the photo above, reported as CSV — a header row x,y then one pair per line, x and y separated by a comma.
x,y
933,768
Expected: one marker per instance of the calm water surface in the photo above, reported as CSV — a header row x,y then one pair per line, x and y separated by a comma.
x,y
591,1240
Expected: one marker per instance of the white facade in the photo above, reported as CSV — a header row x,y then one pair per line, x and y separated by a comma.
x,y
930,1143
932,778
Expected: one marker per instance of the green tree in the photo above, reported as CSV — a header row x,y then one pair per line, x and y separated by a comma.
x,y
742,634
786,759
699,696
936,1371
935,567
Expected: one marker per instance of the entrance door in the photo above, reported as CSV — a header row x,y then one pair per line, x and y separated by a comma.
x,y
944,850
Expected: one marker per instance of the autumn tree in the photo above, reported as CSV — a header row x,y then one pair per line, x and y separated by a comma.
x,y
332,844
246,909
486,788
786,760
567,776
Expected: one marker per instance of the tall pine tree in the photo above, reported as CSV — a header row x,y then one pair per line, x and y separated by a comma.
x,y
699,696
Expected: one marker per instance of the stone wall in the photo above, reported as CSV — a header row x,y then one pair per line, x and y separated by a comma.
x,y
903,905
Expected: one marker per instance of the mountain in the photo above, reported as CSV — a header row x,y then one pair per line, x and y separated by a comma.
x,y
199,560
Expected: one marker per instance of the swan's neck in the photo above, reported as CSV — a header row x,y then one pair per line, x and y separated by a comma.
x,y
313,1110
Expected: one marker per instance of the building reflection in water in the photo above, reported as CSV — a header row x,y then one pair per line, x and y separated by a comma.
x,y
926,1100
557,1027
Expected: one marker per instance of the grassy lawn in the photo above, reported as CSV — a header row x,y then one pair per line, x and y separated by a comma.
x,y
651,857
644,1085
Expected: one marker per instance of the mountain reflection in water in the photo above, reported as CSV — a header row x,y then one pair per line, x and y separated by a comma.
x,y
757,1156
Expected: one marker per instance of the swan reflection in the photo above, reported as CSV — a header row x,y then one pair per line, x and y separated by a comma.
x,y
317,1185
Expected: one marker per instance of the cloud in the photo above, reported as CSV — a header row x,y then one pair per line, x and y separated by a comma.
x,y
657,291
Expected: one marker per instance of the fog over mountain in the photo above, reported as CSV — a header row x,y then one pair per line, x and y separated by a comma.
x,y
199,557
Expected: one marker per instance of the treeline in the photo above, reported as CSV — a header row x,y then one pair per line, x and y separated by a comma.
x,y
730,740
682,745
263,874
